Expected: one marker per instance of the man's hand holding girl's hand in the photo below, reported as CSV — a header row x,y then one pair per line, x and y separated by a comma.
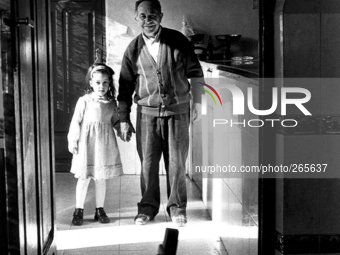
x,y
126,130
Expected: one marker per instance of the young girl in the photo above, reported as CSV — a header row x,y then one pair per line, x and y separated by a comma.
x,y
92,141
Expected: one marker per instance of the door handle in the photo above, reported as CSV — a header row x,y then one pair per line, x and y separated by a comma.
x,y
19,21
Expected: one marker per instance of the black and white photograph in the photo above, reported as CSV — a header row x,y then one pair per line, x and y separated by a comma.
x,y
154,127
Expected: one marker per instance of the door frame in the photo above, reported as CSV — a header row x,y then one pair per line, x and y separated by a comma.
x,y
267,135
267,141
28,160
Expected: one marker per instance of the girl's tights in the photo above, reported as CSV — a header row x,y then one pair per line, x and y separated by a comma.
x,y
81,190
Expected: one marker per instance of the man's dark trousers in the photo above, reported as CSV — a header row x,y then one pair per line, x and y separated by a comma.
x,y
170,136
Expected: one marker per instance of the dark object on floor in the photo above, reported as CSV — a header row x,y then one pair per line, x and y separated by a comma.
x,y
169,246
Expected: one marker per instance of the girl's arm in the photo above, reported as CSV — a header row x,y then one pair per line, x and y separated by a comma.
x,y
74,131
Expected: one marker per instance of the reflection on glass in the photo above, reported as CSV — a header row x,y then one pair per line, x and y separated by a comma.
x,y
3,82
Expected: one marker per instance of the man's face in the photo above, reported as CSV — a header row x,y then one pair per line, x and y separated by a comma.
x,y
148,18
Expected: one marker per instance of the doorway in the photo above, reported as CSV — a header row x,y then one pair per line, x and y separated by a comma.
x,y
205,18
66,109
78,31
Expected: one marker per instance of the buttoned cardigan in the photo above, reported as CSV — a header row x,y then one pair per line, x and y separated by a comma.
x,y
160,88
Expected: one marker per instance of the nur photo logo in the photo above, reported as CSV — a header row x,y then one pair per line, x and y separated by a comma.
x,y
204,104
239,102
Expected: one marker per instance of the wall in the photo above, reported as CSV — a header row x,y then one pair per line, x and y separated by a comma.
x,y
209,17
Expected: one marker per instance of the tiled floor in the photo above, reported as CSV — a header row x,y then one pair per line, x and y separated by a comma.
x,y
121,235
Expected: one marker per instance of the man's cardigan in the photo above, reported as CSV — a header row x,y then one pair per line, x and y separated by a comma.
x,y
162,88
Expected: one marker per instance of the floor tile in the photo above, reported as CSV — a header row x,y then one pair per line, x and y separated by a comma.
x,y
121,235
135,253
148,248
90,252
198,252
94,250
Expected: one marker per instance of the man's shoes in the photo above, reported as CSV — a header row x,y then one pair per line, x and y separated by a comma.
x,y
78,217
101,216
179,220
142,219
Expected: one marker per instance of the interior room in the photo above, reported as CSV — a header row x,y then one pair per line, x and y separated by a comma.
x,y
209,196
243,47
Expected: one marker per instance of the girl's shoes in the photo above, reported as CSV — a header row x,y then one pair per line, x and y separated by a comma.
x,y
101,216
78,217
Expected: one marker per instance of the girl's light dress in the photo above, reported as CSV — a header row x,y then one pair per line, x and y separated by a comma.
x,y
91,127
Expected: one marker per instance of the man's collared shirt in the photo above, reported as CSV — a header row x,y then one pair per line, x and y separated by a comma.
x,y
153,44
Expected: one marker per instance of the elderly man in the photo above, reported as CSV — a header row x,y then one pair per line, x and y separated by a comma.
x,y
156,67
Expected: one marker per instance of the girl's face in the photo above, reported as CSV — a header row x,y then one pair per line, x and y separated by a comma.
x,y
100,84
